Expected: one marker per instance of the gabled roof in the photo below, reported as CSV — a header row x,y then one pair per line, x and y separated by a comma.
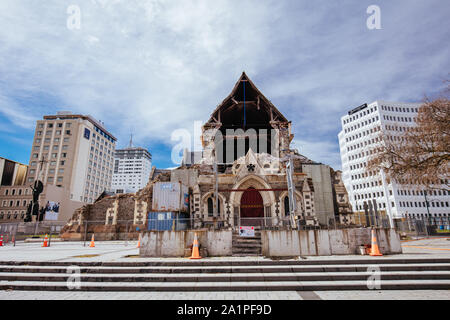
x,y
230,99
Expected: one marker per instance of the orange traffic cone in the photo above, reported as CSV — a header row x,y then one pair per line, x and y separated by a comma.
x,y
195,249
1,241
374,250
92,245
139,241
45,244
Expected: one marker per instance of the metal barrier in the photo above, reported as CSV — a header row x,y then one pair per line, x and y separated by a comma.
x,y
423,227
126,230
19,231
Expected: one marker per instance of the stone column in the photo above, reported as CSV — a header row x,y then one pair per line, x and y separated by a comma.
x,y
140,212
111,213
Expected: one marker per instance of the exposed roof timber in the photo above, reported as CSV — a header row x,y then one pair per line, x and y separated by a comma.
x,y
267,103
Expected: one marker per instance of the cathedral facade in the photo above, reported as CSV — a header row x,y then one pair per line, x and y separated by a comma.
x,y
241,177
246,175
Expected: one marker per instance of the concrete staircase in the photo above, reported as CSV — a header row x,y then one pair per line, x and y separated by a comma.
x,y
229,275
242,246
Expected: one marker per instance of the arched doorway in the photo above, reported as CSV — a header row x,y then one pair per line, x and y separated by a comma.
x,y
252,208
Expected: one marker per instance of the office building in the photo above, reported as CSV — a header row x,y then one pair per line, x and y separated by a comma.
x,y
361,129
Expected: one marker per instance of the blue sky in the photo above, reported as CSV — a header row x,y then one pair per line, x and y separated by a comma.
x,y
150,67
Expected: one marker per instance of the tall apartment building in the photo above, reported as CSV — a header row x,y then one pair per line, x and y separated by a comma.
x,y
74,152
132,167
361,128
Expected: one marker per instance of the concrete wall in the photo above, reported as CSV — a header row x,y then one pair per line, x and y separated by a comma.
x,y
61,195
323,192
274,243
326,242
173,243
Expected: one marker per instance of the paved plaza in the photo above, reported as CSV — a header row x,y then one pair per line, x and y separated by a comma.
x,y
249,295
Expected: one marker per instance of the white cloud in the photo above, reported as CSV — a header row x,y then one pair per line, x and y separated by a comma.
x,y
153,66
19,116
319,151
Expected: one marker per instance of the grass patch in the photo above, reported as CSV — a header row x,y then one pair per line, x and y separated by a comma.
x,y
133,256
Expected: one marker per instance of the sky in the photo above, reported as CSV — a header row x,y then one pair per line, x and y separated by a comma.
x,y
149,67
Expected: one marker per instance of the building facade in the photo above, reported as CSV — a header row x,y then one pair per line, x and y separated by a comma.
x,y
74,152
245,175
361,130
15,195
132,167
12,173
73,156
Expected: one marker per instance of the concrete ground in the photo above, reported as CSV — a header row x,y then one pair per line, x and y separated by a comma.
x,y
122,251
248,295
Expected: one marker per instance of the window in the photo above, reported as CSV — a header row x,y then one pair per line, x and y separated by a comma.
x,y
210,207
286,206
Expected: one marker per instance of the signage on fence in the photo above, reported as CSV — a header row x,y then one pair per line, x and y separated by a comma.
x,y
247,231
51,210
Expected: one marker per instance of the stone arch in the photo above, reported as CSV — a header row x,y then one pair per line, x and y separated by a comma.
x,y
204,204
251,181
298,197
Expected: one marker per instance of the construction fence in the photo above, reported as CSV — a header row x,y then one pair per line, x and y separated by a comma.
x,y
412,227
31,231
126,230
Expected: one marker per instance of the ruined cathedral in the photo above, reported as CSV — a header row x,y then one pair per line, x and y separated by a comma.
x,y
240,178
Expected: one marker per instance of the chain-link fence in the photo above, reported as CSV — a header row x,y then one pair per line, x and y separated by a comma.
x,y
431,226
127,230
30,231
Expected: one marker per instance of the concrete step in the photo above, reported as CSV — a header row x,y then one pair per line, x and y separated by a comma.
x,y
168,277
269,269
228,286
233,262
246,240
245,245
236,235
253,252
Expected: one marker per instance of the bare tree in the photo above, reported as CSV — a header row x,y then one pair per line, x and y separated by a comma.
x,y
418,156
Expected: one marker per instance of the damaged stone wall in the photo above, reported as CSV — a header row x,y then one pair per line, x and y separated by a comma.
x,y
113,217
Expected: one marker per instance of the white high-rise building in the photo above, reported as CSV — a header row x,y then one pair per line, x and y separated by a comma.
x,y
361,128
132,168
